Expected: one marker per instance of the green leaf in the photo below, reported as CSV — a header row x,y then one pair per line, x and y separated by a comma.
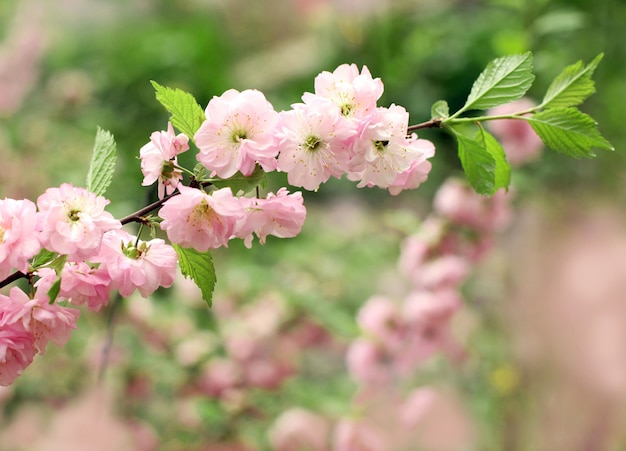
x,y
102,164
572,86
186,114
440,110
503,80
54,290
43,258
240,183
569,131
199,267
502,173
58,264
478,163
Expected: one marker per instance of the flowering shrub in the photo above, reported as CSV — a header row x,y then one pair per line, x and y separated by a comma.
x,y
72,252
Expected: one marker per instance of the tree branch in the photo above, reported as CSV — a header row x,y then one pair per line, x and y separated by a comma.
x,y
433,123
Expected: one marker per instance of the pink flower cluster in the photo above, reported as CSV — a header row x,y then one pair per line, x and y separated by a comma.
x,y
398,338
26,326
90,256
337,130
207,221
261,349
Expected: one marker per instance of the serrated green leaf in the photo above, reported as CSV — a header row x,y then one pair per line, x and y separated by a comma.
x,y
503,80
186,114
479,165
440,110
199,267
502,173
572,86
102,165
240,183
569,131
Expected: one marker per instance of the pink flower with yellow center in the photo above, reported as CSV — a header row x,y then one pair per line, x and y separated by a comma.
x,y
199,220
238,133
134,264
73,221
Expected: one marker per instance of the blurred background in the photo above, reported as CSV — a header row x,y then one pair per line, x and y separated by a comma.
x,y
545,317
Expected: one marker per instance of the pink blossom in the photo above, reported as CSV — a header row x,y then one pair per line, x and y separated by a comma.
x,y
428,315
520,142
159,162
17,351
456,201
265,373
354,93
416,406
353,435
136,264
314,143
199,220
444,271
18,237
367,362
281,214
237,133
383,151
298,429
73,221
418,171
21,52
82,284
44,321
413,253
219,375
380,319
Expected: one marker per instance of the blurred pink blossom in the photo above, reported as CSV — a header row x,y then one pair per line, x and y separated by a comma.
x,y
355,435
520,142
380,319
20,56
219,375
415,406
456,201
298,429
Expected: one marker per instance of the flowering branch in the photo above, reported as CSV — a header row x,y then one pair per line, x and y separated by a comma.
x,y
139,215
72,250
